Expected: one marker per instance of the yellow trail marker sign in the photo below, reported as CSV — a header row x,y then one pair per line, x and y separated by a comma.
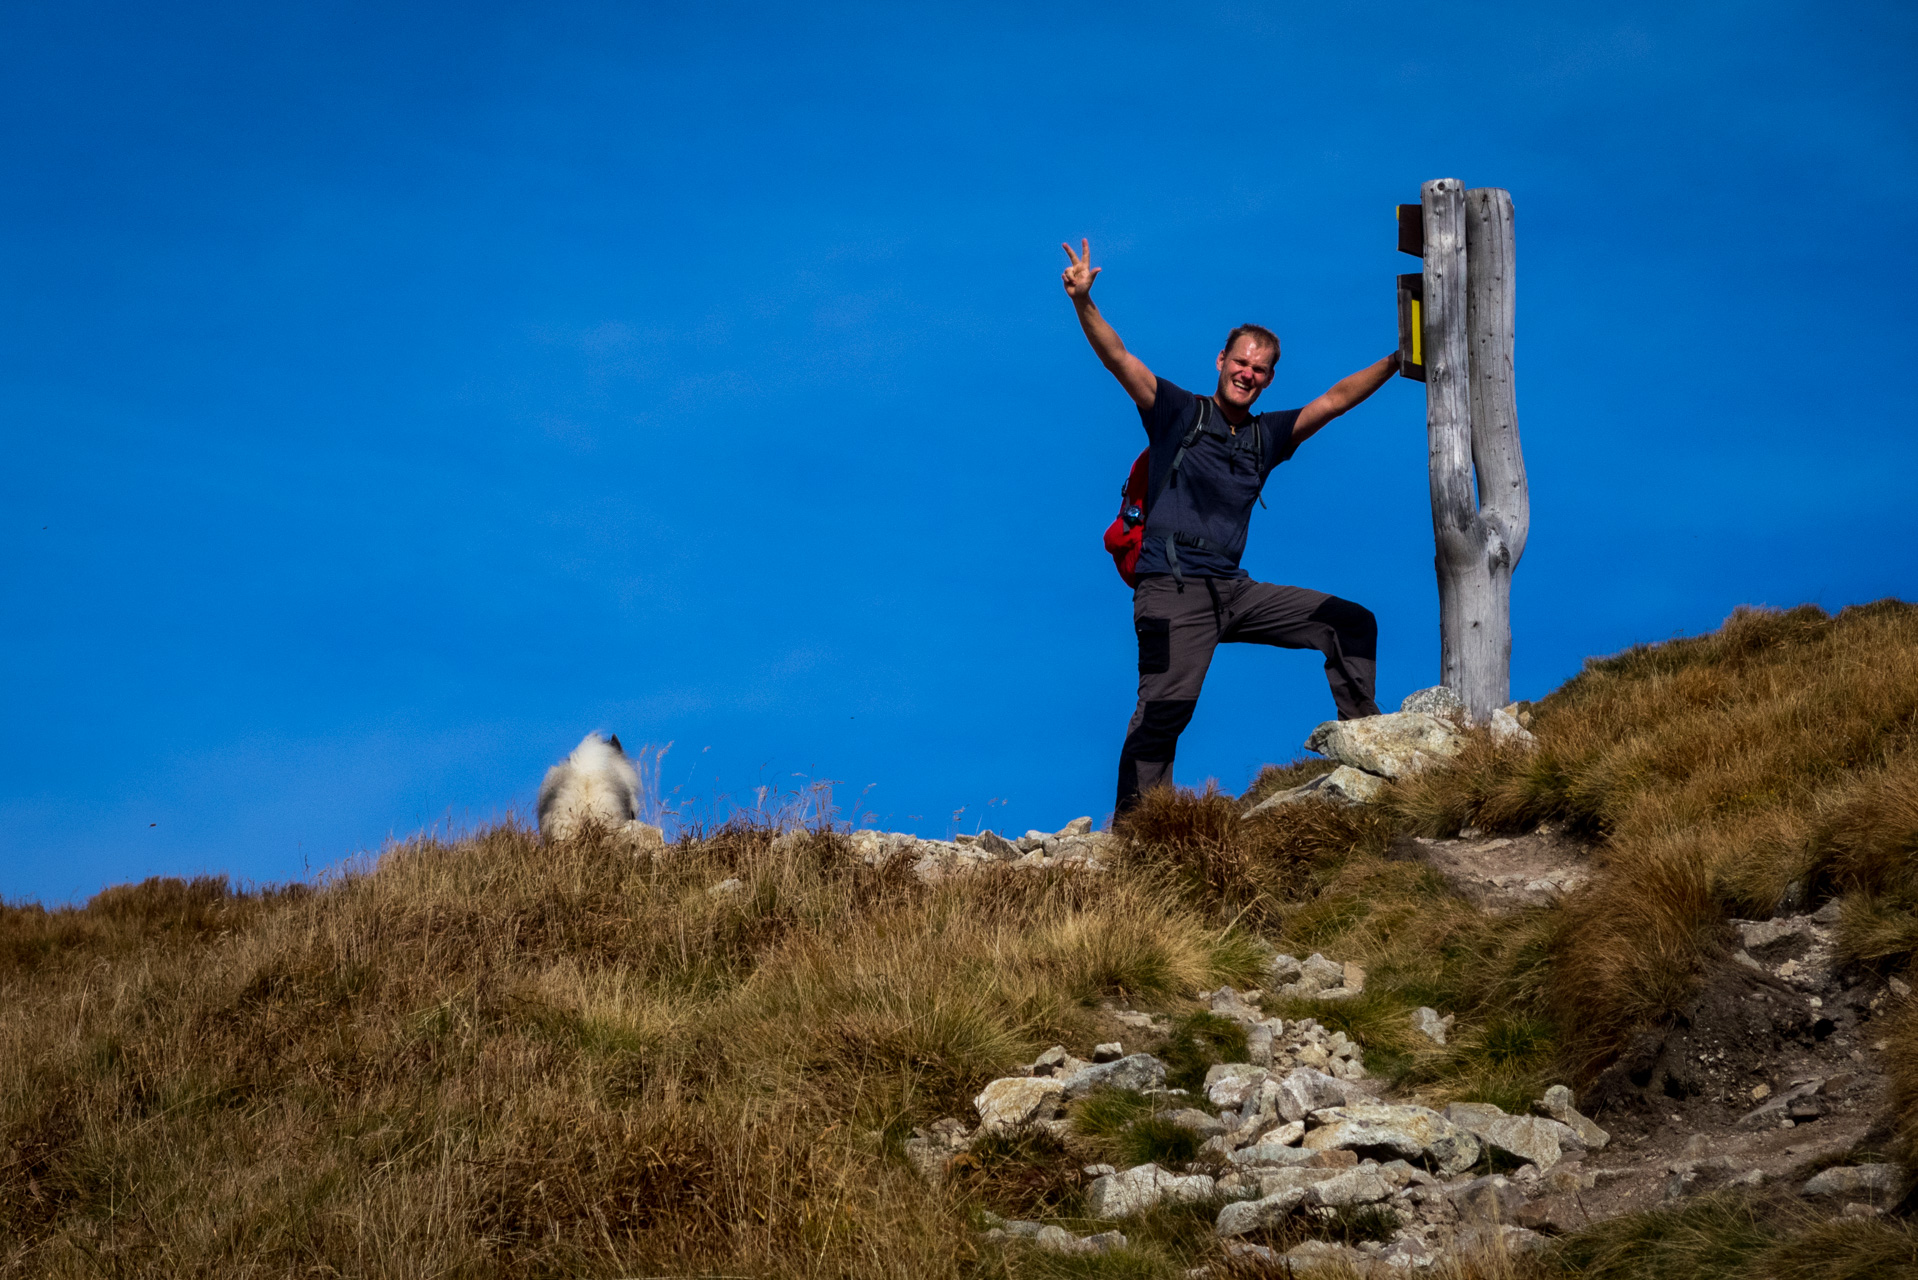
x,y
1412,326
1411,294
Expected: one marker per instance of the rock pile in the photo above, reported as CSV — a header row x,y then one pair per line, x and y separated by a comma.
x,y
1075,845
1297,1129
1372,750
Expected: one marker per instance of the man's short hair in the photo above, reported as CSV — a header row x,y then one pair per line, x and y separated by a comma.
x,y
1258,333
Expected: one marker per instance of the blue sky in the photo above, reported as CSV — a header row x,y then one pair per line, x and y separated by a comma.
x,y
396,392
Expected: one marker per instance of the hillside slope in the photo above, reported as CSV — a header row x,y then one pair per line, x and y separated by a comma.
x,y
488,1057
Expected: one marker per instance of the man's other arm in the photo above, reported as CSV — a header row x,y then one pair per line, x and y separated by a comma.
x,y
1126,367
1343,395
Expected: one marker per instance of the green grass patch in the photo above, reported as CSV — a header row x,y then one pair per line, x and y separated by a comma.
x,y
1198,1042
1109,1112
1127,1131
1156,1140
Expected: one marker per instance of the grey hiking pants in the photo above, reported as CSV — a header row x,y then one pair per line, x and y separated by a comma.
x,y
1178,631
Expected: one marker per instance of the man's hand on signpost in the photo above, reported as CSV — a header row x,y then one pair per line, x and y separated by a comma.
x,y
1078,277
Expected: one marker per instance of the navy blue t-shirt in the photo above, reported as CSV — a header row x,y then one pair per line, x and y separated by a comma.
x,y
1219,481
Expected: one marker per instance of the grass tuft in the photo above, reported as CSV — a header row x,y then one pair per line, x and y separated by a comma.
x,y
1198,1042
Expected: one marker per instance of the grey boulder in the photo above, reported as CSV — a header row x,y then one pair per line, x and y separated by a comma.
x,y
1534,1139
1140,1071
1426,1022
1412,1132
1557,1104
1122,1195
1439,700
1246,1216
1349,1187
1304,1091
1017,1101
1391,746
1857,1179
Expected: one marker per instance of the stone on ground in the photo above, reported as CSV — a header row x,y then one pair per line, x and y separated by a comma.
x,y
1493,1198
1140,1071
1391,746
1322,1258
1273,1155
1416,1133
1527,1138
1857,1179
1439,700
1426,1022
1506,728
1495,1241
1557,1103
1304,1090
1121,1195
997,845
1354,1186
1247,1216
1317,973
1230,1084
1354,786
1017,1101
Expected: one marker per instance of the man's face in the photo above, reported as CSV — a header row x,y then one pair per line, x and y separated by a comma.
x,y
1245,369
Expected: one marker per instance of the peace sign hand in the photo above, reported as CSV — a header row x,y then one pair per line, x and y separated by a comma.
x,y
1078,277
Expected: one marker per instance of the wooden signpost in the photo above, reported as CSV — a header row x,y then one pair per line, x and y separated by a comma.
x,y
1456,335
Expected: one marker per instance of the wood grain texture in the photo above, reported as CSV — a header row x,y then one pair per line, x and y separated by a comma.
x,y
1481,510
1504,501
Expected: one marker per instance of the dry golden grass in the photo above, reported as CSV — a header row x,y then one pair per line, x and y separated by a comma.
x,y
1244,870
1762,767
489,1057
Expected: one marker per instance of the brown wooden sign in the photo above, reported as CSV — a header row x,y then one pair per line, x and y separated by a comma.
x,y
1411,230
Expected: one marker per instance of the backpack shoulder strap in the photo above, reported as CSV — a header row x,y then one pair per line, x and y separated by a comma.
x,y
1191,437
1258,453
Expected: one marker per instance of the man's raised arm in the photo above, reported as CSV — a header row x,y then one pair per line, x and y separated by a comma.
x,y
1126,367
1344,394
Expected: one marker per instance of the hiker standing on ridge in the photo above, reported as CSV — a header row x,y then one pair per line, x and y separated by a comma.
x,y
1209,457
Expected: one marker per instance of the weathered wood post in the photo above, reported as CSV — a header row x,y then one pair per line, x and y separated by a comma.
x,y
1471,425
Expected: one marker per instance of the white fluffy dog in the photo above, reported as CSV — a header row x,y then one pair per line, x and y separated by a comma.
x,y
596,784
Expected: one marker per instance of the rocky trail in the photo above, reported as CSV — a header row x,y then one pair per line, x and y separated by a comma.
x,y
1300,1131
1769,1080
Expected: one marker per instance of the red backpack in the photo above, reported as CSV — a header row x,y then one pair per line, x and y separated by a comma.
x,y
1125,536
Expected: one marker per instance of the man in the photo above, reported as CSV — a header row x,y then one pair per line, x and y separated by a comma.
x,y
1210,456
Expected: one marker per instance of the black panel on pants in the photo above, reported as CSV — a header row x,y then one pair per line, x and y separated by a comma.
x,y
1157,736
1358,629
1155,646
